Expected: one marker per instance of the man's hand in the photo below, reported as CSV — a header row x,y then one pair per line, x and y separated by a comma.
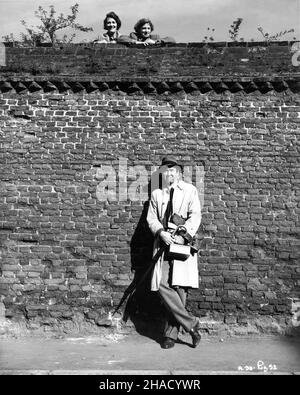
x,y
179,240
167,238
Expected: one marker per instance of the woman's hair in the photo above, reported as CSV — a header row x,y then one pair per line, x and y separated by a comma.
x,y
142,22
113,16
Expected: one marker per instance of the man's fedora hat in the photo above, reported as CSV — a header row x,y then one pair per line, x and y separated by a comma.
x,y
170,161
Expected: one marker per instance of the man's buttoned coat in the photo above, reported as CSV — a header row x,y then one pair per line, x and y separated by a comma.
x,y
185,203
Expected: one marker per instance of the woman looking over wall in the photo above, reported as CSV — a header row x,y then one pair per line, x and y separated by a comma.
x,y
111,24
143,34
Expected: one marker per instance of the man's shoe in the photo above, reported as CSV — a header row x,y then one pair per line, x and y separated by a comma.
x,y
196,335
168,343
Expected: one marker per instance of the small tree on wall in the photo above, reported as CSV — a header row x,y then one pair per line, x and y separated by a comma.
x,y
50,25
235,29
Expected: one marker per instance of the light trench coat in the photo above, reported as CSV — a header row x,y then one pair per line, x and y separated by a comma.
x,y
185,203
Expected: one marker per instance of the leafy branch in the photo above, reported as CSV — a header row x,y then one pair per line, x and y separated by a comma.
x,y
207,38
275,37
50,25
235,28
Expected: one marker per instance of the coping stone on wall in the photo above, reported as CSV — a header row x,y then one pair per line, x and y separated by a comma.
x,y
220,67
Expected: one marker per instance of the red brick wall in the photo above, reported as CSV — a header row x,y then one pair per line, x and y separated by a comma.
x,y
63,251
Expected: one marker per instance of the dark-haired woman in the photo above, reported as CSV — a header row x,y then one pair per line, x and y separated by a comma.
x,y
143,34
111,24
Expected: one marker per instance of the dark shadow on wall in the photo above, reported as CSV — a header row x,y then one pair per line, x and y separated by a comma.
x,y
143,306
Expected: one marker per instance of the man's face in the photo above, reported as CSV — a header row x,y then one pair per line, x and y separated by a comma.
x,y
171,174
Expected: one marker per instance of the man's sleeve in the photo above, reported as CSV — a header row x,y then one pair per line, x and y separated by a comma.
x,y
194,213
152,217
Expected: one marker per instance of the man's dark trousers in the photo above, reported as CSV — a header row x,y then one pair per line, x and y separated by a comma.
x,y
174,300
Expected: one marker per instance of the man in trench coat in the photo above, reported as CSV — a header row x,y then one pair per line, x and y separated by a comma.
x,y
172,277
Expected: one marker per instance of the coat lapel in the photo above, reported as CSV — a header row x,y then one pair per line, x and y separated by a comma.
x,y
177,200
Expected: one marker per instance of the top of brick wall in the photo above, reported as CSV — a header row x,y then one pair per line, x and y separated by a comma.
x,y
179,60
189,63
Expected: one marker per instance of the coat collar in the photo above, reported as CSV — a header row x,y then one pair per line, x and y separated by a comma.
x,y
179,185
114,37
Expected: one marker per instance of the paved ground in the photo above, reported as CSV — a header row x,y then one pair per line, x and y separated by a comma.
x,y
137,354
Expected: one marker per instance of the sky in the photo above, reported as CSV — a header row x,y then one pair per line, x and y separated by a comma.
x,y
185,20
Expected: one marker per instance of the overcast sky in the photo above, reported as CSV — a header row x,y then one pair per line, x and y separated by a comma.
x,y
185,20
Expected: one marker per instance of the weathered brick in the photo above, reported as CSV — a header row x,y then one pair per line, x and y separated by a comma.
x,y
58,239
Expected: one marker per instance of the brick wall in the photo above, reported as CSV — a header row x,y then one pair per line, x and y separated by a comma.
x,y
64,252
